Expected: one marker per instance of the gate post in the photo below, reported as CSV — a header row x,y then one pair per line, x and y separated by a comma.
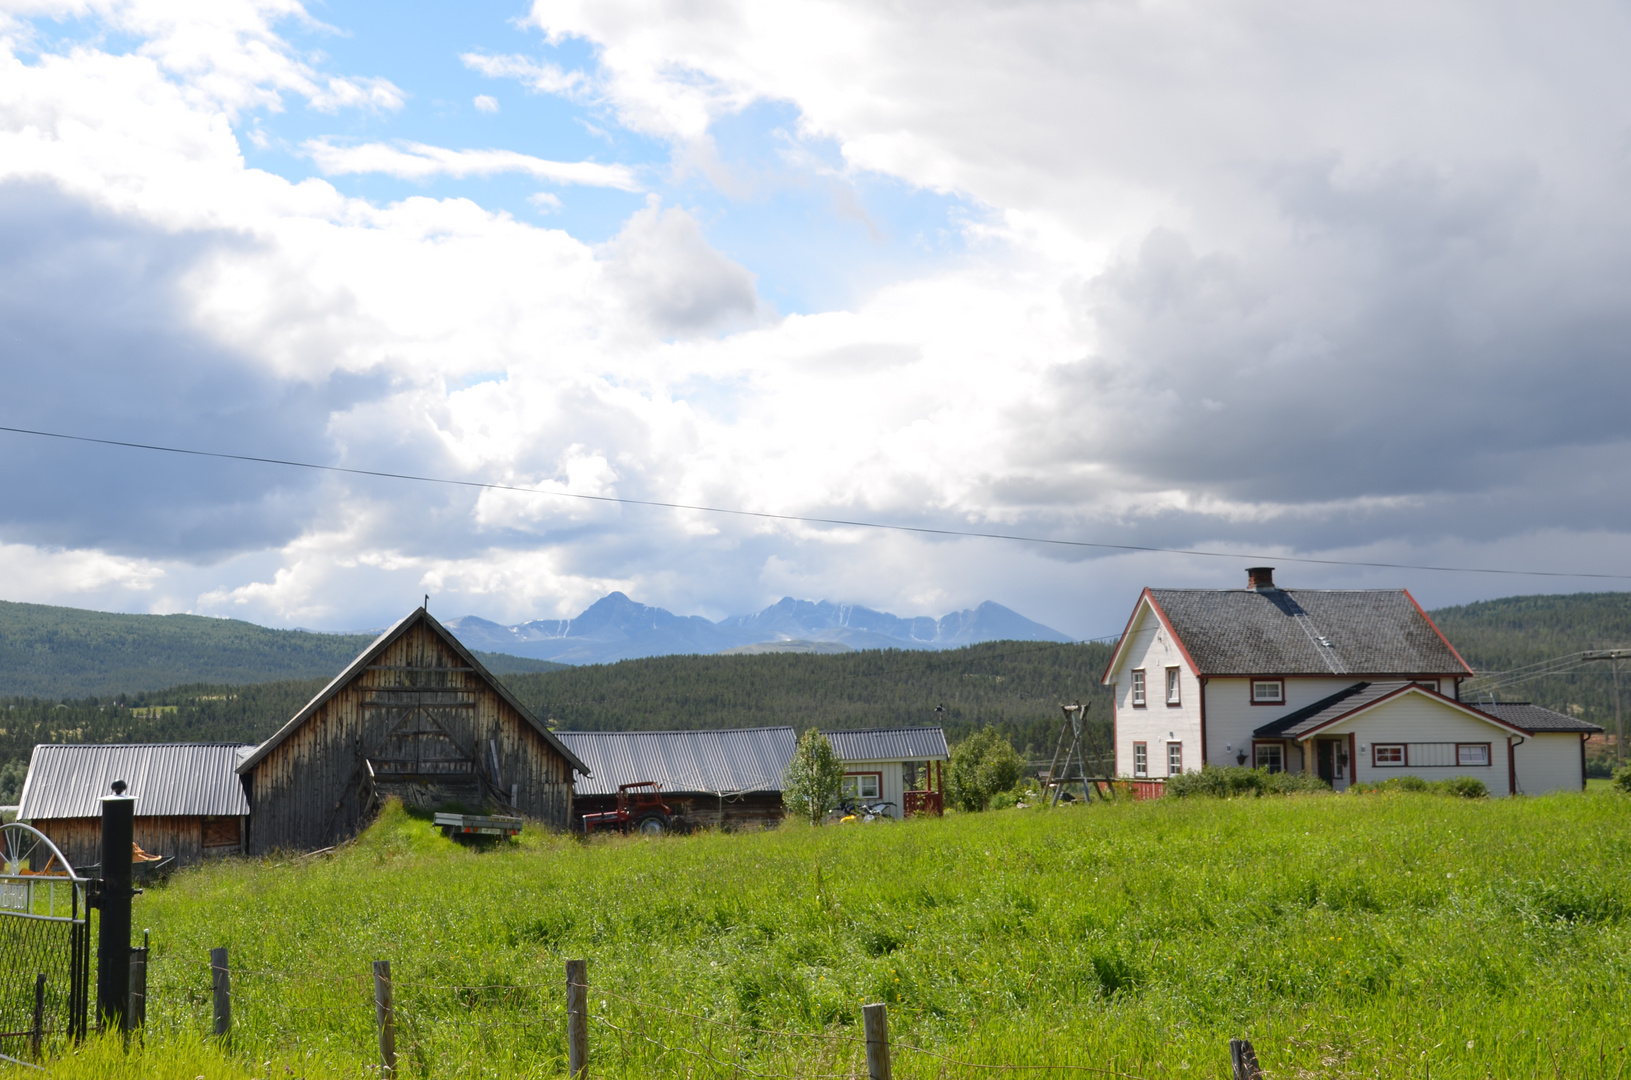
x,y
113,930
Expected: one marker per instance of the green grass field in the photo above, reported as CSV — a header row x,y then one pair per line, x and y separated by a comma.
x,y
1379,936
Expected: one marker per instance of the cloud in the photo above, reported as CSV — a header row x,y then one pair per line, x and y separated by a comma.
x,y
417,161
541,78
666,271
486,104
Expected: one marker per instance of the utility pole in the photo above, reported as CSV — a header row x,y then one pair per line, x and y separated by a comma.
x,y
1614,656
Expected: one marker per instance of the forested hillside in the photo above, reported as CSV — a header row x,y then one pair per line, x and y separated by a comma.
x,y
58,652
1015,685
1520,631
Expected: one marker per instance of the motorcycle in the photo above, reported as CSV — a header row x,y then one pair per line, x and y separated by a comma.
x,y
851,812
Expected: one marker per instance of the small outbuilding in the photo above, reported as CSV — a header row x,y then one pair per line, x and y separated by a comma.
x,y
415,716
190,803
890,764
727,779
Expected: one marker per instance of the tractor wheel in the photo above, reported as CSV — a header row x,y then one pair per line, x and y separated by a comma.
x,y
651,825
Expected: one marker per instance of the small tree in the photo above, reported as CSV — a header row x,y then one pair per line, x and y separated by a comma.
x,y
982,765
814,779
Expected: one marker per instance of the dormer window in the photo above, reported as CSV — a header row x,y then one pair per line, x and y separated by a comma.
x,y
1268,692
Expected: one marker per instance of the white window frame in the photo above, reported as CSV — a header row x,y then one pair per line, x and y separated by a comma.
x,y
1273,750
1279,686
1175,759
1141,759
1428,684
1473,749
1174,687
1139,688
856,785
1378,761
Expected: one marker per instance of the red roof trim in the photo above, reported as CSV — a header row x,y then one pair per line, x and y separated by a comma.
x,y
1115,658
1367,707
1454,651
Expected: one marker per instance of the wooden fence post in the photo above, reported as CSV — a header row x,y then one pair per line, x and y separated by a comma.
x,y
876,1018
385,1016
221,978
577,1019
37,1034
1244,1060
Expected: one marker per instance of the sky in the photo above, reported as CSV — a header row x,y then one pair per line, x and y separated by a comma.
x,y
1344,282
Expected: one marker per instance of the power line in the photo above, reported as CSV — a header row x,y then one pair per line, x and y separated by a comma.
x,y
921,530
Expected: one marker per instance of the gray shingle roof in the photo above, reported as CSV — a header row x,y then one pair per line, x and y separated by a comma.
x,y
889,744
167,779
1533,718
1309,717
714,762
1307,632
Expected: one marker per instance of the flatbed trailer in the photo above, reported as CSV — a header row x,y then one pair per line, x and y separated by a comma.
x,y
457,825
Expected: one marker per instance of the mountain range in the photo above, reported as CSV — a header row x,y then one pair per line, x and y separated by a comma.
x,y
618,628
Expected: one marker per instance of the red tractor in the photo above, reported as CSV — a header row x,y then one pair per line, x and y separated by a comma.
x,y
639,807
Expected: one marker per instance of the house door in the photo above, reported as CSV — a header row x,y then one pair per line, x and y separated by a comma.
x,y
1332,758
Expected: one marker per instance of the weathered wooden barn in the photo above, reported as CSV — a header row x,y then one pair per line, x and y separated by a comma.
x,y
189,801
415,716
728,779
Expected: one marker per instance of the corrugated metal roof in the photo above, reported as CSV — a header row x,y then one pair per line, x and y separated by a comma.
x,y
715,762
179,779
890,744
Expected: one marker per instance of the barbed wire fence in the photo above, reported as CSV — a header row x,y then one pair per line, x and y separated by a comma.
x,y
587,1030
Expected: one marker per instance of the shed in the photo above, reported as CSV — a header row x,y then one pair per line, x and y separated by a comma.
x,y
721,779
888,764
189,800
415,716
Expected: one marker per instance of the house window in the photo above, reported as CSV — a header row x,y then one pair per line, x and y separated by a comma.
x,y
1271,756
1141,759
1387,755
1428,684
865,785
1268,692
1476,753
1138,689
1172,686
1175,758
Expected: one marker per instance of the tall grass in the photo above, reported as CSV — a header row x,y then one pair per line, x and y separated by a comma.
x,y
1395,935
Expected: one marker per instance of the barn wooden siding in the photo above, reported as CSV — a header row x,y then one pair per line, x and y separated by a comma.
x,y
418,700
189,839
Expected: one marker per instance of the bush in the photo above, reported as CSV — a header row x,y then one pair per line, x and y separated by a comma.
x,y
982,765
1465,787
1622,780
814,779
1233,781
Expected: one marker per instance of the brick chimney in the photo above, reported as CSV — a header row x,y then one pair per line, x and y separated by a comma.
x,y
1260,579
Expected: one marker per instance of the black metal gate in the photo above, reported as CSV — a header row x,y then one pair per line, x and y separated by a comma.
x,y
45,944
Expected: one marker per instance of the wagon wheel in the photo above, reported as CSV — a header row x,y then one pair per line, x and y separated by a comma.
x,y
25,851
651,825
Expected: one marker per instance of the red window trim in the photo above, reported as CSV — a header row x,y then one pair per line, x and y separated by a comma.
x,y
1146,748
1179,744
1282,700
1285,752
1402,763
879,775
1179,685
1132,694
1489,755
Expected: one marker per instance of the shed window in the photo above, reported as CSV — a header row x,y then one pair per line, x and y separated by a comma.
x,y
1172,686
1175,758
1141,759
1271,756
866,785
1268,692
1472,753
1387,755
1138,689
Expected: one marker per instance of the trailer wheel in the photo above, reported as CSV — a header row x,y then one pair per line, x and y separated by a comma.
x,y
651,825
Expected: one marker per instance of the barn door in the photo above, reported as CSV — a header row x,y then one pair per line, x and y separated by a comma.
x,y
419,760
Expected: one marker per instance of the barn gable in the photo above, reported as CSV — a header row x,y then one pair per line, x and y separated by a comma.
x,y
415,716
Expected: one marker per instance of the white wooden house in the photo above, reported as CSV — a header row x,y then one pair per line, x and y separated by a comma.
x,y
884,763
1348,684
